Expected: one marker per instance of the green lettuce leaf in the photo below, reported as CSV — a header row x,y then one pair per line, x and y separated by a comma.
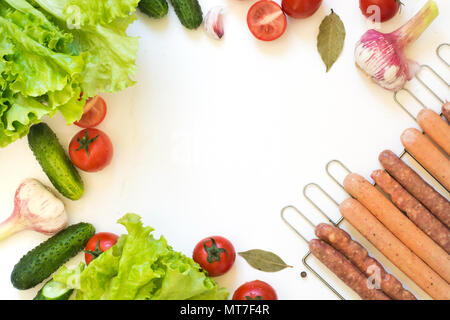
x,y
99,29
36,68
111,60
36,25
181,273
54,51
70,277
140,267
87,11
101,11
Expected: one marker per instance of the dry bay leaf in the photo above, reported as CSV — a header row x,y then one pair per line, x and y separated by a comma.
x,y
264,260
330,40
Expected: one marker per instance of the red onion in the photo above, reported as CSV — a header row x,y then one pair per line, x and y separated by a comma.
x,y
381,55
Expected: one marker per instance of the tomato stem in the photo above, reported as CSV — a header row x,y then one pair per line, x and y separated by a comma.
x,y
95,253
213,251
254,298
85,142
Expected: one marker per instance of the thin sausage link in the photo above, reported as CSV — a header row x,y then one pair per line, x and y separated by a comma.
x,y
345,270
413,209
435,127
359,256
427,154
414,184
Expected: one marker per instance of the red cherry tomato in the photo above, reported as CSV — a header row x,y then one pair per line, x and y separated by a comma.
x,y
255,290
300,9
94,113
91,150
387,8
266,20
215,255
98,244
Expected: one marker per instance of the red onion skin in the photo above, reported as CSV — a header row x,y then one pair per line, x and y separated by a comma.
x,y
379,54
385,53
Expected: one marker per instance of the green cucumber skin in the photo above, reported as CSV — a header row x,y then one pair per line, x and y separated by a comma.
x,y
55,162
38,264
154,8
40,294
189,13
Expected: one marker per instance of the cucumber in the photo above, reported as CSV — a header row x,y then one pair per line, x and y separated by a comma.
x,y
38,264
55,162
189,13
54,290
154,8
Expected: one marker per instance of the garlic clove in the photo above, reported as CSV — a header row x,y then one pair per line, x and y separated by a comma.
x,y
213,23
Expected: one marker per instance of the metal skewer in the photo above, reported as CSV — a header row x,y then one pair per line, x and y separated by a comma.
x,y
419,79
304,260
438,52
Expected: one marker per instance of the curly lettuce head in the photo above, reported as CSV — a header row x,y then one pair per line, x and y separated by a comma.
x,y
52,52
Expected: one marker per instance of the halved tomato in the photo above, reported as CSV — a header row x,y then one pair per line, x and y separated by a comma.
x,y
266,20
94,113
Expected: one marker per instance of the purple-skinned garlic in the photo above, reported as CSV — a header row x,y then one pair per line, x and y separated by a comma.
x,y
213,23
35,208
381,55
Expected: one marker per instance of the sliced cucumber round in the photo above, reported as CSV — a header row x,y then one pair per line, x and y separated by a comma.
x,y
54,290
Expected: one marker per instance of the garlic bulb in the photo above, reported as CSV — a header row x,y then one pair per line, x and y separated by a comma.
x,y
35,208
214,23
381,56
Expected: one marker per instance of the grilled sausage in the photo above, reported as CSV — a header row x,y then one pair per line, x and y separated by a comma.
x,y
374,231
399,224
446,111
414,184
413,209
345,270
435,127
359,256
423,150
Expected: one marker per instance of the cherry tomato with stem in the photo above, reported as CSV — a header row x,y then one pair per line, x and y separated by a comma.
x,y
93,114
255,290
300,9
387,9
91,150
266,20
98,244
216,255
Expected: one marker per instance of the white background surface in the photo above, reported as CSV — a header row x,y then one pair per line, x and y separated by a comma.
x,y
217,137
